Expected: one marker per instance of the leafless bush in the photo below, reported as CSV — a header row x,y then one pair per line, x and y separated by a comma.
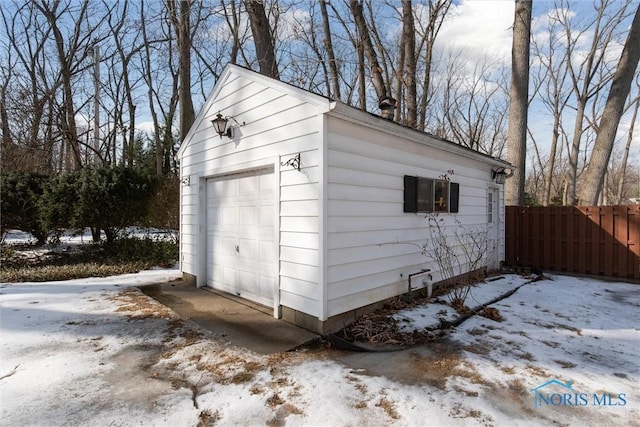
x,y
456,254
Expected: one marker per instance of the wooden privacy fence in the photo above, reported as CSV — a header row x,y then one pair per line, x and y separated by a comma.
x,y
597,241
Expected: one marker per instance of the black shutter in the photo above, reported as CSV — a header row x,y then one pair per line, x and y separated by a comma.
x,y
410,193
454,196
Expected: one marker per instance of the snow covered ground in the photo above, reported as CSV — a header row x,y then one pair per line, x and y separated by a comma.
x,y
99,352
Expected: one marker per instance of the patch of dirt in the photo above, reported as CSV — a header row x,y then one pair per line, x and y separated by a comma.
x,y
440,363
283,411
207,419
511,398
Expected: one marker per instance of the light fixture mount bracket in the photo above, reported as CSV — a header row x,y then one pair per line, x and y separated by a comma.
x,y
294,162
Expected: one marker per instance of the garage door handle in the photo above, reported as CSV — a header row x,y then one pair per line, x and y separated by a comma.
x,y
237,248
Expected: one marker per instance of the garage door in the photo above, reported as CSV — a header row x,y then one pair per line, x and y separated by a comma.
x,y
241,248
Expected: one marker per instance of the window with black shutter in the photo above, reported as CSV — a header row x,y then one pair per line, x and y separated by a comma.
x,y
427,195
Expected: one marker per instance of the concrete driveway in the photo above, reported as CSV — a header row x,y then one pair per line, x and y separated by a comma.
x,y
235,320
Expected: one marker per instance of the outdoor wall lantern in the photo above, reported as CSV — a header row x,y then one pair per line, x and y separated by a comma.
x,y
186,181
220,125
499,175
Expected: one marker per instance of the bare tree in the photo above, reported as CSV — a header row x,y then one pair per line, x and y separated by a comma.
x,y
70,51
124,35
407,73
328,46
553,92
180,14
232,17
610,119
584,73
368,50
147,75
262,38
620,185
519,103
26,91
428,31
473,106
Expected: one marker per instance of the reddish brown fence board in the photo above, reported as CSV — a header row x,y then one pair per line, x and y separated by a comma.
x,y
595,240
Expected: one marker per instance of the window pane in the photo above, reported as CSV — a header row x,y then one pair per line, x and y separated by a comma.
x,y
425,195
441,196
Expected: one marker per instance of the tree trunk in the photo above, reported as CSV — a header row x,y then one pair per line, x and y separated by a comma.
x,y
262,38
620,86
519,97
369,51
182,22
328,45
552,159
362,84
625,157
400,75
409,43
234,23
572,173
157,141
437,11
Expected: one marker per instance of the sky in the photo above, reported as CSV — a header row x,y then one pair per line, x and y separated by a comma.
x,y
99,352
484,27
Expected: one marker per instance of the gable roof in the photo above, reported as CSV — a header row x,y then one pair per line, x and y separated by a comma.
x,y
337,109
232,70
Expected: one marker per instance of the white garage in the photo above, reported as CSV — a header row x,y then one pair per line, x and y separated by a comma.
x,y
316,209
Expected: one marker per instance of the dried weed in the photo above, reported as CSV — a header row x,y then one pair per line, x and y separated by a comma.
x,y
466,392
274,400
565,364
360,405
492,313
388,407
208,419
136,305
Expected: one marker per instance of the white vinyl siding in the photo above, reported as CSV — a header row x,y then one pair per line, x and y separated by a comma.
x,y
372,244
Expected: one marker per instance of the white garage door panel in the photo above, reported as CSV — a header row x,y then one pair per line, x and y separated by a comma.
x,y
241,250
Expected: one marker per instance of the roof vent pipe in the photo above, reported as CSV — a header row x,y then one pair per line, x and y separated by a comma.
x,y
387,107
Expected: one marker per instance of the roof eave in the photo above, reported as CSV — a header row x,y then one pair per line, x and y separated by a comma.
x,y
354,115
